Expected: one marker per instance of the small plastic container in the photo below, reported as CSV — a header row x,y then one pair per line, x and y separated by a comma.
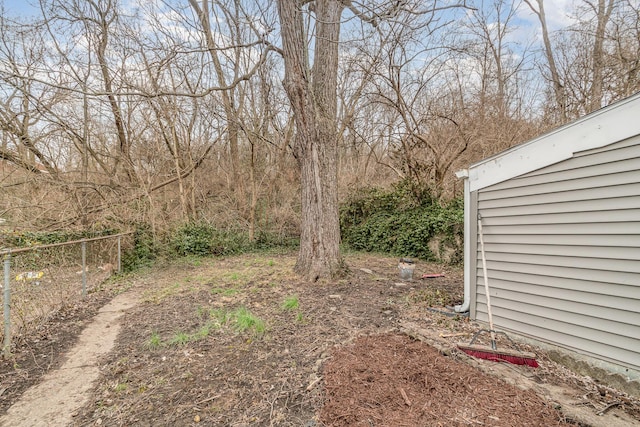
x,y
406,267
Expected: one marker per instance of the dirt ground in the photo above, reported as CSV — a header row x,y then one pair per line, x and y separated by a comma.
x,y
241,341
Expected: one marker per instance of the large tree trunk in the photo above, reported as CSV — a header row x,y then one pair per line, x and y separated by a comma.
x,y
312,93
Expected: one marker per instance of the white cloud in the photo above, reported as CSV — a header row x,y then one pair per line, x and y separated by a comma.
x,y
557,12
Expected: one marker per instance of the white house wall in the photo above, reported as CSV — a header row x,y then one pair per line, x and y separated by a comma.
x,y
563,252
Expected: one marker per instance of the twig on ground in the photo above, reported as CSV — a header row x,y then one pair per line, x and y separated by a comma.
x,y
609,406
459,334
313,383
405,397
208,399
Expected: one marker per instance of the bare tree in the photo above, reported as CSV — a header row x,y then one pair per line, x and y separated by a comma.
x,y
312,92
582,58
558,86
602,10
488,28
97,22
624,54
20,59
236,45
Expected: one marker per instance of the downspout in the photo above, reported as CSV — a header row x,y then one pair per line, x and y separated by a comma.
x,y
464,307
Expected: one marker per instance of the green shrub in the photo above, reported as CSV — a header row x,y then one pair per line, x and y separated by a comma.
x,y
401,221
265,240
144,250
195,238
202,239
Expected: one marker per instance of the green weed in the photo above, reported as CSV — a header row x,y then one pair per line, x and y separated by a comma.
x,y
154,342
245,320
291,303
202,333
180,339
220,315
183,338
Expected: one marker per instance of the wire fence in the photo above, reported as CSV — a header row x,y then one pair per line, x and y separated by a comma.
x,y
42,279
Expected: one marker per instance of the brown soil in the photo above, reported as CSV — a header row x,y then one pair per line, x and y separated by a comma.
x,y
342,357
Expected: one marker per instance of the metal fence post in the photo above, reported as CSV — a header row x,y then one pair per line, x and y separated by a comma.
x,y
6,347
119,256
84,268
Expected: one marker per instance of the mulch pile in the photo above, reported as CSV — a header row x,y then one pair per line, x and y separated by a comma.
x,y
391,380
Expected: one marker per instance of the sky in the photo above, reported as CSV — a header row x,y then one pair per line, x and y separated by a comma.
x,y
19,7
556,11
527,25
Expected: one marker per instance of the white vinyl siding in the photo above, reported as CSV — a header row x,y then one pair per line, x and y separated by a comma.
x,y
563,253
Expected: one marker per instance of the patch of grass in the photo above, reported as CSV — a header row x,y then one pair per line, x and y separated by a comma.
x,y
200,279
431,297
259,262
121,387
291,303
154,342
216,318
180,339
225,292
201,311
235,279
243,277
300,318
190,260
183,338
202,333
219,315
193,260
159,295
245,320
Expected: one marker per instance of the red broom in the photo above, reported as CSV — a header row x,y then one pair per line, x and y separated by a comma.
x,y
492,353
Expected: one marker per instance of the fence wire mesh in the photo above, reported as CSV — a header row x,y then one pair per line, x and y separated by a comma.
x,y
43,280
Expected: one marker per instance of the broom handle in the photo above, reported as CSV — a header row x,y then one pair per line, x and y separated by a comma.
x,y
486,284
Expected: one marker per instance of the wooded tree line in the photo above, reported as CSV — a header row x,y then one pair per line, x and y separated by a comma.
x,y
118,112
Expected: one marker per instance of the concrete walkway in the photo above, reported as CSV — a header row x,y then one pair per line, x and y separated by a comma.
x,y
63,391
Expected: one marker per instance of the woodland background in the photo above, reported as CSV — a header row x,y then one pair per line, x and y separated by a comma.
x,y
170,116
